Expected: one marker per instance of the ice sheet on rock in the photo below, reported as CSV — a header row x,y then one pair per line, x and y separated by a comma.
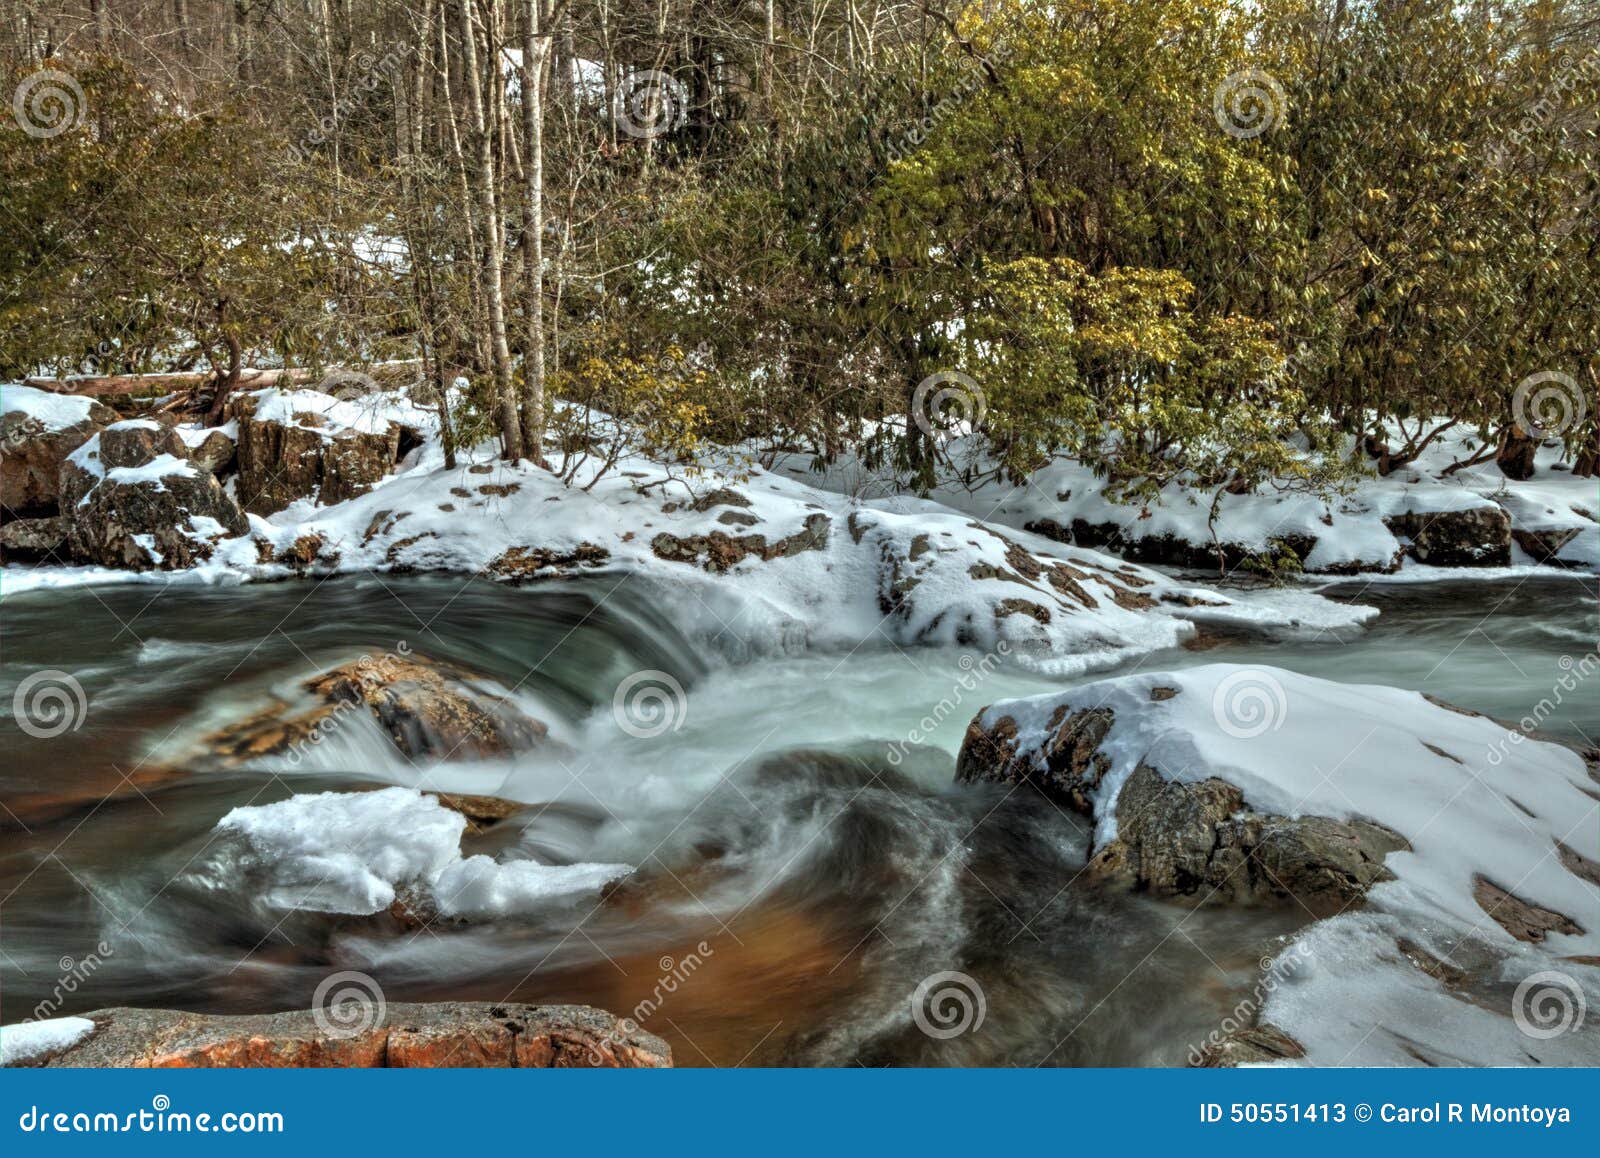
x,y
349,852
32,1039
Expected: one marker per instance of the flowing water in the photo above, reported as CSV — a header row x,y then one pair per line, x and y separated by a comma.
x,y
803,858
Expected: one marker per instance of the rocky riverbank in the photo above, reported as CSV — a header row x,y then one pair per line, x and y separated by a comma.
x,y
1442,857
458,1035
320,486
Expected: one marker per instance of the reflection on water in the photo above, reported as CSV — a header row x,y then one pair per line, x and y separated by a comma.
x,y
794,883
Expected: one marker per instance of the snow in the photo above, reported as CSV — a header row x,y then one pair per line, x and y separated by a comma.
x,y
162,466
50,410
1471,797
28,1040
1349,529
314,410
349,852
896,570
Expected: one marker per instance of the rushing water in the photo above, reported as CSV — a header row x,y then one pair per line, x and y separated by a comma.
x,y
801,865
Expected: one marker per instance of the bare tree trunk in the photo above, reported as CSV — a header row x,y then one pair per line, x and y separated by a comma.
x,y
180,17
480,313
535,52
488,207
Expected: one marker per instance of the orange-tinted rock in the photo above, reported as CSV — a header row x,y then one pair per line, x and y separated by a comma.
x,y
443,1034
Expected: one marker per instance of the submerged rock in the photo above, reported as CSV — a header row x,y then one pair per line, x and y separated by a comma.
x,y
429,708
454,1034
1253,1045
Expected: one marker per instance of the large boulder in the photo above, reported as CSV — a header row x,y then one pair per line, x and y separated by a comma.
x,y
1199,840
38,430
1475,537
287,454
361,1033
1224,783
130,501
33,539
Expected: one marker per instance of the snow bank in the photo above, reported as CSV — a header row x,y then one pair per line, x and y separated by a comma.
x,y
50,410
1472,798
349,852
759,561
1349,530
32,1039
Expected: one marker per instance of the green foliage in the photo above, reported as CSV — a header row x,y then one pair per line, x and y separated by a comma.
x,y
1118,370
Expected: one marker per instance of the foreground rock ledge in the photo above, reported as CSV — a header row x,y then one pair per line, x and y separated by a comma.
x,y
462,1035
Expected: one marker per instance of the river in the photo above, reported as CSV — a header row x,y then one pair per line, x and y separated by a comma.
x,y
803,858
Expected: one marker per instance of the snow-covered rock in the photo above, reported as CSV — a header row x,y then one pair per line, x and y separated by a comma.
x,y
358,852
130,501
1471,845
1416,514
38,430
302,444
